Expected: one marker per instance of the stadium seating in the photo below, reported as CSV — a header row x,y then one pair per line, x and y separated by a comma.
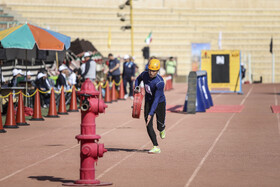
x,y
174,29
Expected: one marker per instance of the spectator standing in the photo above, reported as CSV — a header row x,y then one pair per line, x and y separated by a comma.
x,y
171,67
88,68
128,75
243,71
73,77
100,70
114,69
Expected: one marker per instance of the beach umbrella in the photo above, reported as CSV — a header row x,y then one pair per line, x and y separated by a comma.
x,y
27,39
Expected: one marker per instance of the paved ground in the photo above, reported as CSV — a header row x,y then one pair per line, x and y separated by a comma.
x,y
205,149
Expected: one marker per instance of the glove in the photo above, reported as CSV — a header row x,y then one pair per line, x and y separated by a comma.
x,y
137,89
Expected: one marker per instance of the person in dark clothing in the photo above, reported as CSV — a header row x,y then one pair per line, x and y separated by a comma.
x,y
17,74
128,75
243,71
61,80
114,69
155,102
43,85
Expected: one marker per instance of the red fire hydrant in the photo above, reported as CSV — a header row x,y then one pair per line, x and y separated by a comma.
x,y
91,106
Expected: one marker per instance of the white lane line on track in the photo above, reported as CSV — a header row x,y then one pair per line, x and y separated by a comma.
x,y
56,154
277,114
243,101
131,154
27,139
208,152
36,163
194,174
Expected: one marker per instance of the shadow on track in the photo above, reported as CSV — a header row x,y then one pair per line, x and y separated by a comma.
x,y
127,150
51,179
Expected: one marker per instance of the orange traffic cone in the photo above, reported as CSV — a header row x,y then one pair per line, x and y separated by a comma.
x,y
37,114
2,130
73,103
52,108
121,92
169,84
113,91
10,118
62,104
20,119
166,85
108,98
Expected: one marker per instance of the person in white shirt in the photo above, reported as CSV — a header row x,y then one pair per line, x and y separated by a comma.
x,y
72,79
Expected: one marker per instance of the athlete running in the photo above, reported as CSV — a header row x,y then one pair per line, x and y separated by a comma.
x,y
155,102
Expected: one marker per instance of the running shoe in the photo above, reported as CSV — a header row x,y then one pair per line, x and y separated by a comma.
x,y
125,96
162,134
155,150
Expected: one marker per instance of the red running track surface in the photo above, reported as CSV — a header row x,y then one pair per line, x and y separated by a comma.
x,y
215,108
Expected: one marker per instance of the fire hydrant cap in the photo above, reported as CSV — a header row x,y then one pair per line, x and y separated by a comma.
x,y
88,88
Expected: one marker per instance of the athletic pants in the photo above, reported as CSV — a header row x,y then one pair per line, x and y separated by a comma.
x,y
160,115
125,81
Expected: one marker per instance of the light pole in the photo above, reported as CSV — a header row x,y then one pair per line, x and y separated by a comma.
x,y
122,6
131,30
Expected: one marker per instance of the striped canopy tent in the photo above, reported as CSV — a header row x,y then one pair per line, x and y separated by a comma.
x,y
24,42
29,42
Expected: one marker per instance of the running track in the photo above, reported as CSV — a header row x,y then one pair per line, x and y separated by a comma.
x,y
205,149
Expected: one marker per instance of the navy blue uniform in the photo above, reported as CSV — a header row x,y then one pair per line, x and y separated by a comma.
x,y
115,74
128,72
155,102
154,88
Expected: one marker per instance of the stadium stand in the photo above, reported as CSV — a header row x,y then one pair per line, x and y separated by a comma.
x,y
248,28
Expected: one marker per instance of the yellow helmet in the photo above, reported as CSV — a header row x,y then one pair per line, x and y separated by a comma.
x,y
154,65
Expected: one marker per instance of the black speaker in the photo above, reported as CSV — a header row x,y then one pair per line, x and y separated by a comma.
x,y
146,52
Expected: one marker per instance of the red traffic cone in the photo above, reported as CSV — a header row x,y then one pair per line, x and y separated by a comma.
x,y
121,92
73,103
37,114
20,119
62,105
100,92
113,91
108,98
10,118
52,108
2,130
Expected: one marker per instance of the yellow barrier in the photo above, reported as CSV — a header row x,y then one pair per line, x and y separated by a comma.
x,y
48,91
117,84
